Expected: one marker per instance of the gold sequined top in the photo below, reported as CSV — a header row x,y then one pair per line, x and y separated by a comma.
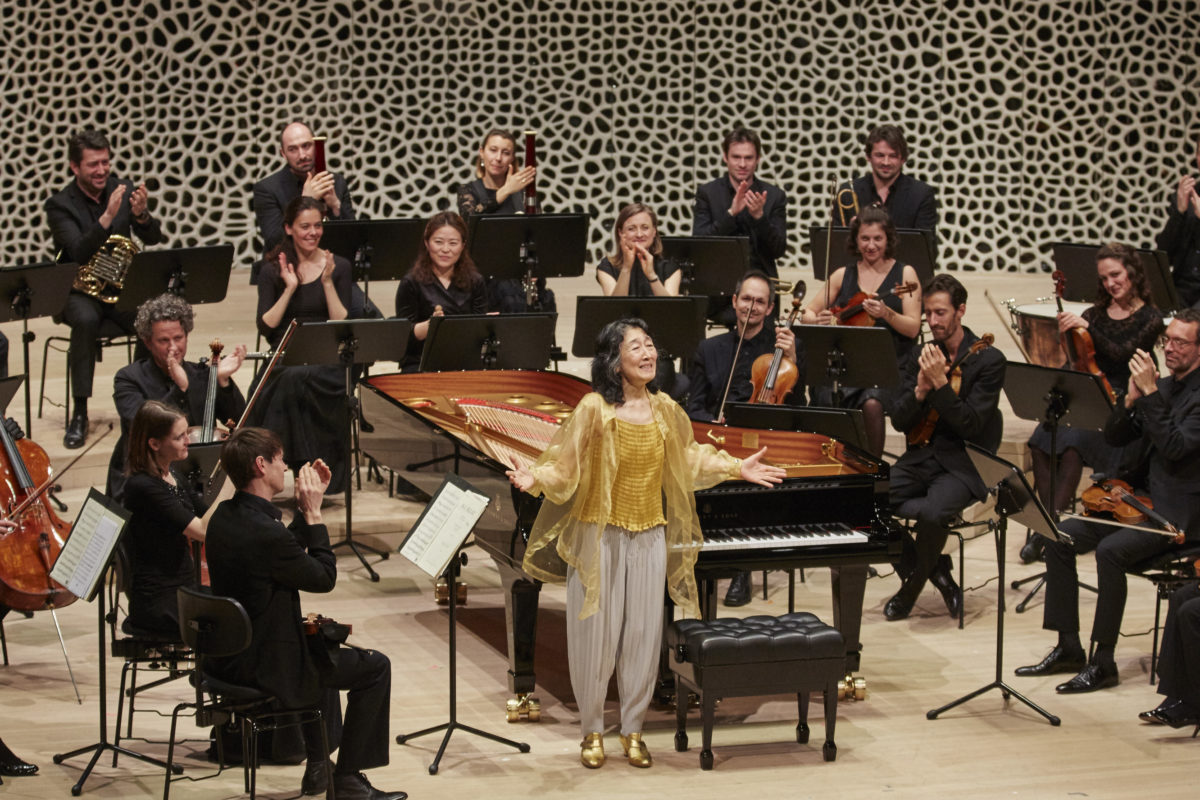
x,y
636,492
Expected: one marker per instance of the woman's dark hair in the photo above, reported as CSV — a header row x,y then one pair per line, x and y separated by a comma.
x,y
465,272
503,134
241,450
873,215
290,213
1132,262
153,420
606,364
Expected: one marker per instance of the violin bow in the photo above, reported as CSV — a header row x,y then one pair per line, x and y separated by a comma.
x,y
742,325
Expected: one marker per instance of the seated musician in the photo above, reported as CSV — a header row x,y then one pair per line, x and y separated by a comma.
x,y
636,268
163,324
1180,238
882,277
498,188
166,516
304,405
1164,413
1120,322
909,202
95,206
255,559
1179,662
443,281
934,480
615,543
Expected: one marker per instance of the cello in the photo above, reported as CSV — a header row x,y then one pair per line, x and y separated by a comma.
x,y
1078,345
28,553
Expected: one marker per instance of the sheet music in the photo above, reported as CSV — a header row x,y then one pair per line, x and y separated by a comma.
x,y
84,556
443,526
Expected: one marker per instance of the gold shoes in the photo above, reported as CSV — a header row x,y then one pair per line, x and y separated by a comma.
x,y
635,749
591,750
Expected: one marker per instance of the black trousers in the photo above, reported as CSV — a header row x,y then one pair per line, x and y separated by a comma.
x,y
361,736
85,315
1117,550
1179,660
922,490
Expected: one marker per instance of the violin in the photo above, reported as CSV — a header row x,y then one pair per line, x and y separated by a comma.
x,y
853,313
28,553
1077,343
1116,497
774,375
922,432
313,623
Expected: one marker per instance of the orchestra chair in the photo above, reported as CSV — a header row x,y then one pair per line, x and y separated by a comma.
x,y
753,656
141,650
1167,571
964,528
111,335
214,626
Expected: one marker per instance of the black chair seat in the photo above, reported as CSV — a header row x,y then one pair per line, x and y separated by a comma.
x,y
754,640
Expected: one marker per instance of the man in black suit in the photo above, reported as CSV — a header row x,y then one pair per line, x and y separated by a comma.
x,y
252,557
295,178
163,324
95,206
1180,238
934,480
1165,414
740,204
1179,662
909,202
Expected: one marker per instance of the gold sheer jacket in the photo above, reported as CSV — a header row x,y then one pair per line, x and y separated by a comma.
x,y
583,452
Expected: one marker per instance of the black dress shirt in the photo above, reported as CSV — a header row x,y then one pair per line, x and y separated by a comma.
x,y
910,203
75,221
416,301
272,195
710,372
1181,241
768,234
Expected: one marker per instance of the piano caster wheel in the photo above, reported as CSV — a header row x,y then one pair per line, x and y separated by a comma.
x,y
802,731
852,688
706,759
523,706
441,593
681,743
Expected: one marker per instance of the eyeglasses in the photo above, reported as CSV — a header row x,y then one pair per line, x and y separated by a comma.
x,y
1173,341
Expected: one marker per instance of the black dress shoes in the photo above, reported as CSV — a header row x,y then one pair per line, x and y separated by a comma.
x,y
1034,547
356,787
898,607
1180,715
77,431
739,590
1092,677
1155,715
1056,661
951,593
316,779
13,766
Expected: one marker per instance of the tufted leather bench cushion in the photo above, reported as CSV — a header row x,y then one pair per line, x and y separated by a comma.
x,y
754,640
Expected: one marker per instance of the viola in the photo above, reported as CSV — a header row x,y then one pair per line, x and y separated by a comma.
x,y
313,623
28,553
1116,497
774,375
853,313
922,432
1078,345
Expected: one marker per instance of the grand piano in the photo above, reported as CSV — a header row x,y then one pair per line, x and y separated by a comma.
x,y
831,509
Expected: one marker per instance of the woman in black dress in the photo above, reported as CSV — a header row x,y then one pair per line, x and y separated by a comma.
x,y
636,267
442,282
499,180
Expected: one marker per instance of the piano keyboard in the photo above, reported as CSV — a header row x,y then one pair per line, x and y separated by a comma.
x,y
776,536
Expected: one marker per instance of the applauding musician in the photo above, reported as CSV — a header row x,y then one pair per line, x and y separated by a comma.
x,y
636,267
95,206
498,184
935,480
1165,412
909,202
1181,236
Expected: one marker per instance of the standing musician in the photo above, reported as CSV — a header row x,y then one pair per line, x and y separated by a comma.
x,y
877,272
616,543
163,324
305,405
443,281
714,368
294,179
1165,412
740,204
255,559
1181,236
498,189
1120,322
909,202
96,205
935,480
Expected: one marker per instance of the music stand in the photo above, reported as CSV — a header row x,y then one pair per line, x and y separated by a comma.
x,y
1056,397
1016,500
711,265
379,249
913,246
346,343
201,461
1078,264
846,355
844,424
33,291
528,247
488,341
677,323
197,274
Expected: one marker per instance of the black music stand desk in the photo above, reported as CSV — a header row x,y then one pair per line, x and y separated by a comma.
x,y
488,341
197,274
676,323
711,265
379,249
846,355
347,343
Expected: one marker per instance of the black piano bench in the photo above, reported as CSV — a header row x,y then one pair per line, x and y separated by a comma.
x,y
757,655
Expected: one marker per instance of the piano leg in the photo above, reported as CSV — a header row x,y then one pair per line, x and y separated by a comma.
x,y
849,585
521,613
